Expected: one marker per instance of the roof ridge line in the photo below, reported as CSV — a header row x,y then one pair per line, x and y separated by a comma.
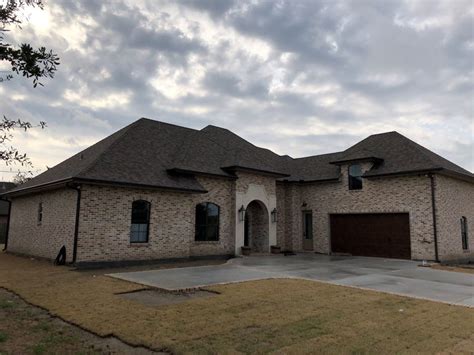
x,y
245,140
316,155
236,150
167,123
93,162
422,151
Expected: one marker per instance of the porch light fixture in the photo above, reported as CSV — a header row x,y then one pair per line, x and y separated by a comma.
x,y
241,213
274,215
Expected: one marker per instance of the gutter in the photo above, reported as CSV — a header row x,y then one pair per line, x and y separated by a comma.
x,y
76,224
68,181
433,205
8,223
402,173
234,168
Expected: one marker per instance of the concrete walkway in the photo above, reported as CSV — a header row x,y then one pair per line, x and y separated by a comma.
x,y
401,277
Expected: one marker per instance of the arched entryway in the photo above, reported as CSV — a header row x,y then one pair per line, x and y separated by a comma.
x,y
256,227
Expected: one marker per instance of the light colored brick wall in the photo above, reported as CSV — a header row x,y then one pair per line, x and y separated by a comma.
x,y
281,215
45,240
222,193
397,194
104,230
245,179
454,199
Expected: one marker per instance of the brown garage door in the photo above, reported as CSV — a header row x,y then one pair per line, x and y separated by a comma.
x,y
380,234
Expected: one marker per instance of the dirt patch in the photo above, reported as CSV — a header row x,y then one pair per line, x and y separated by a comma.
x,y
156,298
28,329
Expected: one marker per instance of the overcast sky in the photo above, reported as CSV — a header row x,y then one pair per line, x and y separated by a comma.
x,y
298,77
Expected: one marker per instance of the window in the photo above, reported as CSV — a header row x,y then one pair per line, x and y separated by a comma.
x,y
207,222
465,241
355,177
40,212
140,221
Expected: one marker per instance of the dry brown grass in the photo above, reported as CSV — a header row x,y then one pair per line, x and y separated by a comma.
x,y
282,316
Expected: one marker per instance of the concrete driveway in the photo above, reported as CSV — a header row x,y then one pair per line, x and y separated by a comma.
x,y
401,277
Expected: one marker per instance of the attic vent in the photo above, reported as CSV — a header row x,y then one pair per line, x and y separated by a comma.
x,y
81,156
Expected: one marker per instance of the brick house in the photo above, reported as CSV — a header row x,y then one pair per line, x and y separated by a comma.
x,y
158,191
4,210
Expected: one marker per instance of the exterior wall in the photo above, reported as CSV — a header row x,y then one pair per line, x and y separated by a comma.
x,y
3,228
45,240
250,187
222,193
281,215
397,194
454,199
105,218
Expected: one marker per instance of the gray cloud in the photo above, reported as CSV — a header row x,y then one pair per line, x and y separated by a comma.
x,y
300,77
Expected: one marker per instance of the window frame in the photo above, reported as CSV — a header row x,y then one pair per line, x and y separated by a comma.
x,y
147,239
352,178
198,227
464,233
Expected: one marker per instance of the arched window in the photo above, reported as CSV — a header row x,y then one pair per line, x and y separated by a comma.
x,y
355,177
207,222
140,221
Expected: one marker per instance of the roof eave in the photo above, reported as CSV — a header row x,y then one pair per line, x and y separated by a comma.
x,y
66,182
136,185
306,182
403,173
235,168
439,170
200,173
357,160
456,175
38,188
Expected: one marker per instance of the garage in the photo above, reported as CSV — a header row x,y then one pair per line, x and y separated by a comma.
x,y
384,235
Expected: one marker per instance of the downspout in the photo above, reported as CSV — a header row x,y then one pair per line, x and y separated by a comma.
x,y
76,225
433,205
8,224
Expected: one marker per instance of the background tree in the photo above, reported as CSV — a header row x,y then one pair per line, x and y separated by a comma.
x,y
26,61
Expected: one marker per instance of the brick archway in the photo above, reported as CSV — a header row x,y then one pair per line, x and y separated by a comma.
x,y
256,227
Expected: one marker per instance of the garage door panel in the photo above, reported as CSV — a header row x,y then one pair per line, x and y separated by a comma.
x,y
381,235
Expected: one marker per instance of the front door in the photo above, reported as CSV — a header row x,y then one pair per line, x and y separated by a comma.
x,y
308,230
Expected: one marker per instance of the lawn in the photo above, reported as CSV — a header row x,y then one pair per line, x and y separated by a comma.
x,y
280,316
26,329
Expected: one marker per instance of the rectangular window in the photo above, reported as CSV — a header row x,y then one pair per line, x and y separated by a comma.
x,y
40,213
355,177
139,233
465,240
140,221
207,222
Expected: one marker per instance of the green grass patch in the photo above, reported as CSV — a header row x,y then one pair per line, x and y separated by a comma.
x,y
39,349
3,337
6,304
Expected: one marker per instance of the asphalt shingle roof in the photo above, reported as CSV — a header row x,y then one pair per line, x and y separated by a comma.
x,y
153,153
